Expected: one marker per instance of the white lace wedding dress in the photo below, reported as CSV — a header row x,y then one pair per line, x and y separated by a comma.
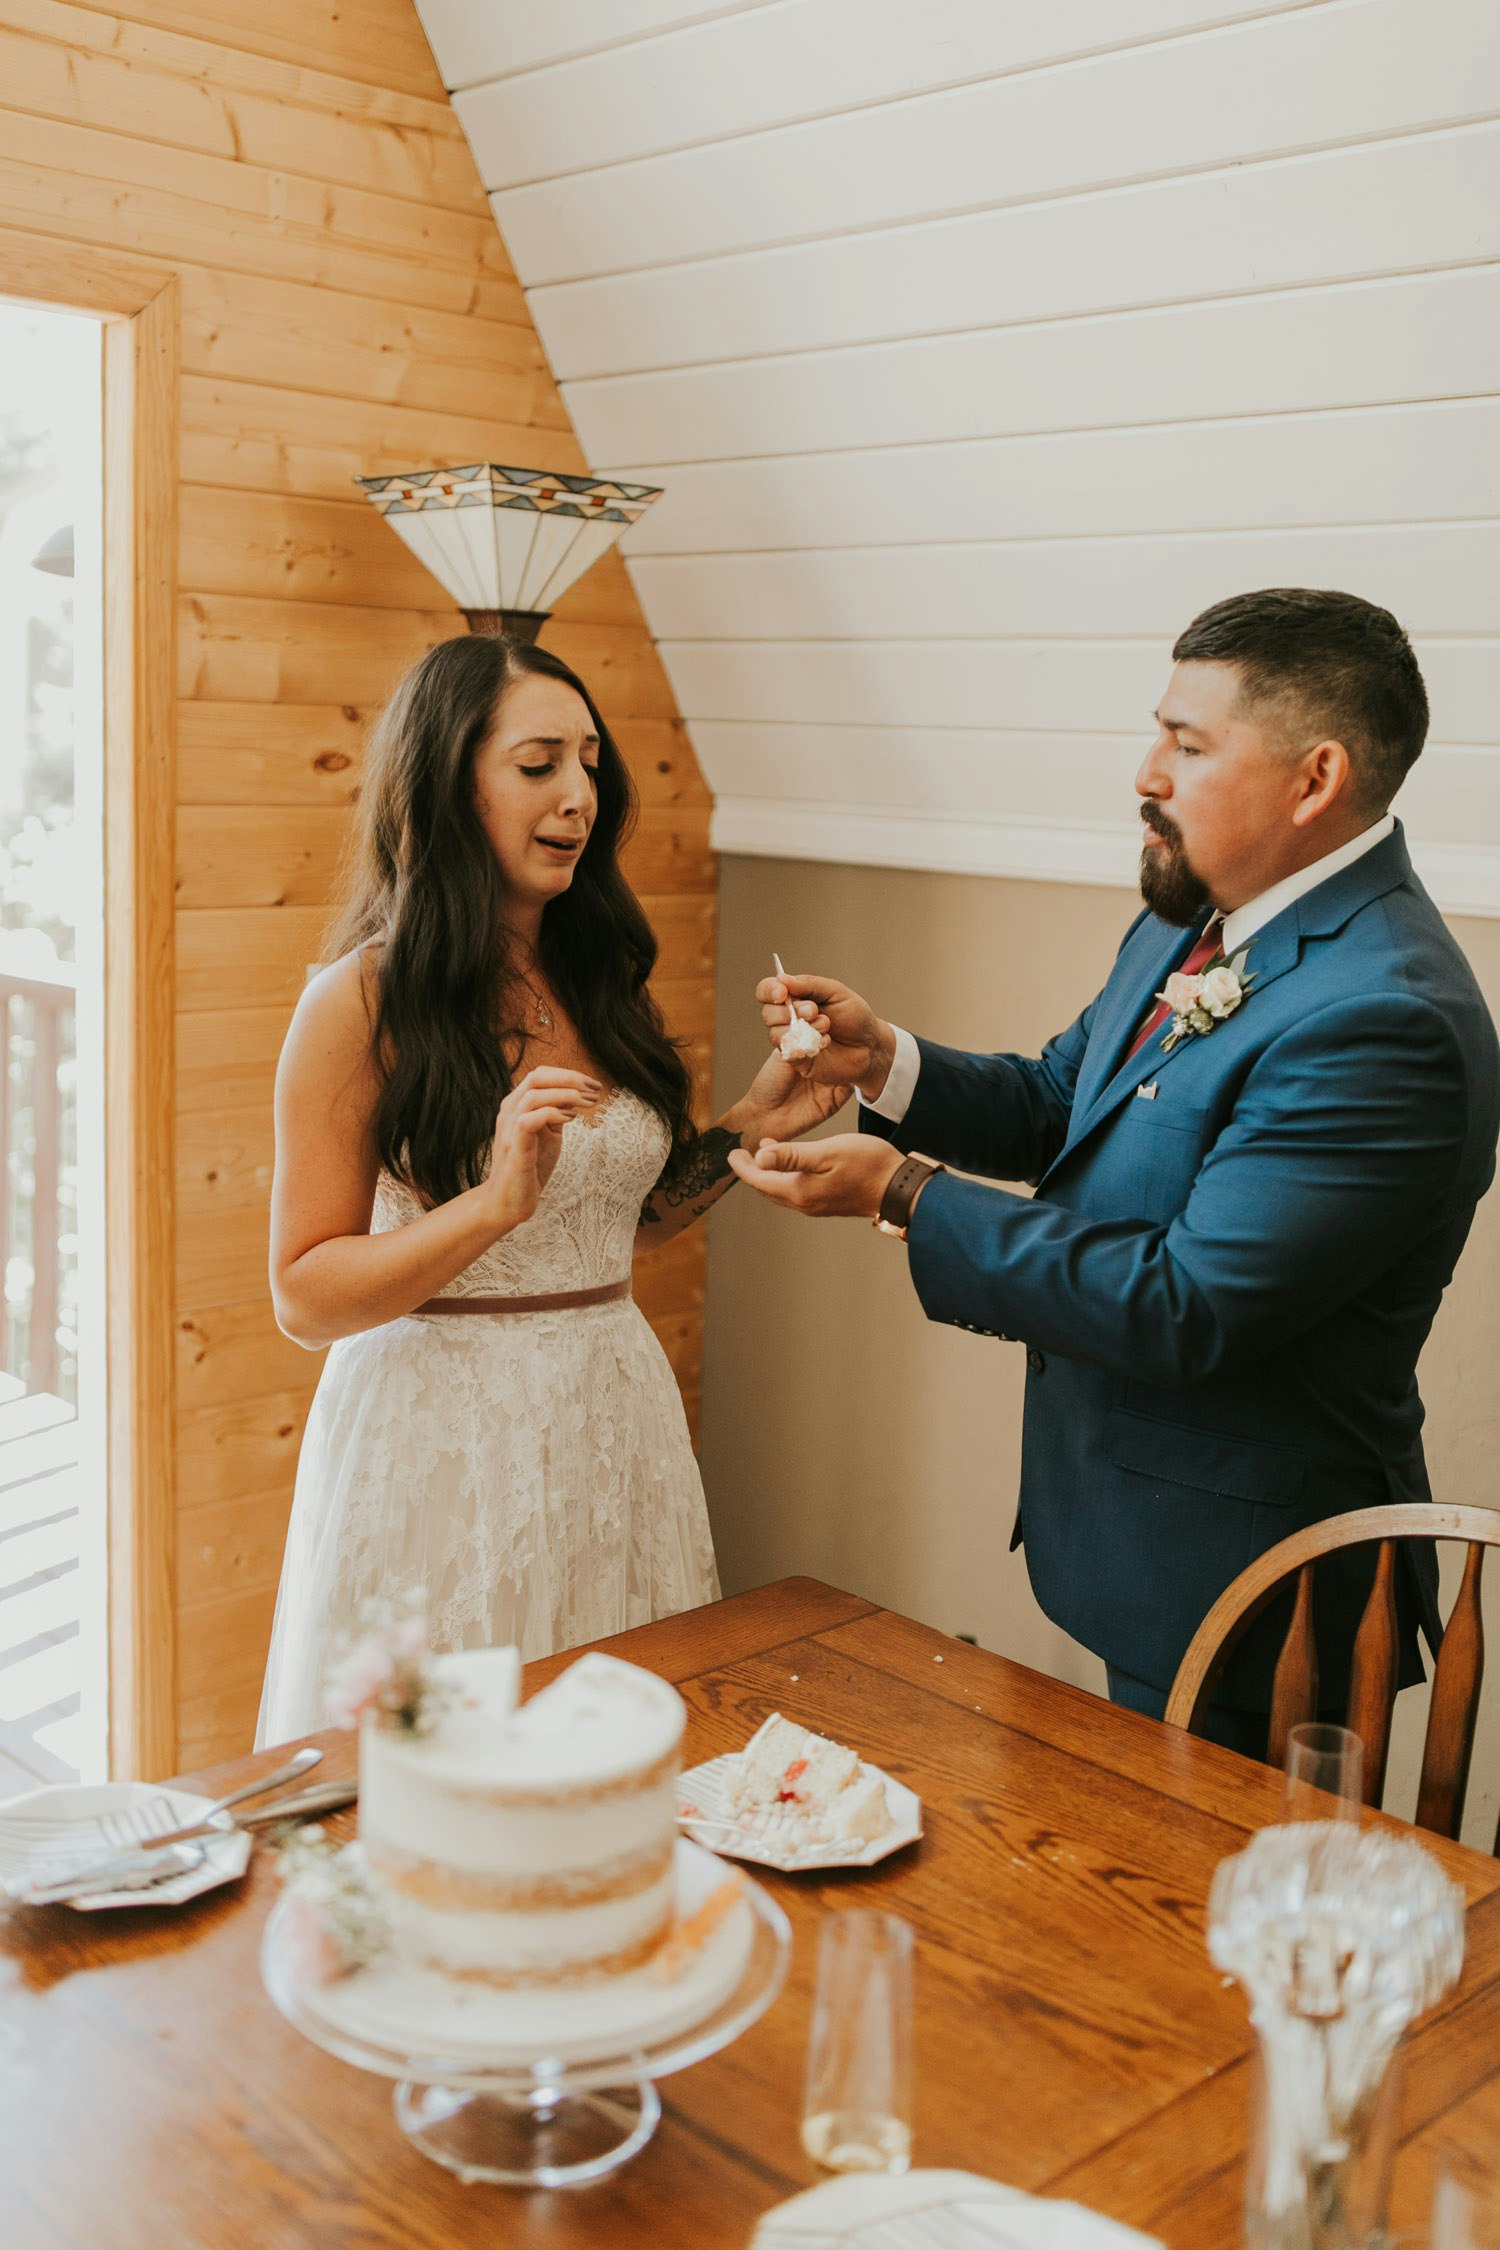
x,y
531,1471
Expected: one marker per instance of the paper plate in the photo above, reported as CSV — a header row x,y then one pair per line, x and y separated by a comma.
x,y
936,2211
45,1823
767,1839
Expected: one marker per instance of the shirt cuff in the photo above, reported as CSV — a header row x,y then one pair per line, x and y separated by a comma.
x,y
894,1099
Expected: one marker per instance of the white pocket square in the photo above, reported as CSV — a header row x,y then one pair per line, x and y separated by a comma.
x,y
1146,1093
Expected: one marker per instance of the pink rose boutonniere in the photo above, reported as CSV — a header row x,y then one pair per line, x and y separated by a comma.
x,y
1198,1003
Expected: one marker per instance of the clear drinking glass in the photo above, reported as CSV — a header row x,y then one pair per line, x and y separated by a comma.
x,y
856,2116
1341,1936
1325,1774
1339,2206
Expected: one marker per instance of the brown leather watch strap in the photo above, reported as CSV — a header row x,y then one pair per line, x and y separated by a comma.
x,y
902,1189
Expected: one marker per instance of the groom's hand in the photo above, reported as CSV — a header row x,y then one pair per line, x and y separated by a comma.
x,y
843,1177
861,1047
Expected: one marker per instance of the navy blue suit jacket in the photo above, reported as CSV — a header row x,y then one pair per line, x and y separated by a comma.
x,y
1224,1288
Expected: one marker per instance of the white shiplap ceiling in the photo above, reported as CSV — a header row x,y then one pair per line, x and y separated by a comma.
x,y
978,346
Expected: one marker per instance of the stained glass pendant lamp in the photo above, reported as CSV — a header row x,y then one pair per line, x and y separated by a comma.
x,y
506,543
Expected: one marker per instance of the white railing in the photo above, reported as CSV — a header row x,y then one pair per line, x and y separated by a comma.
x,y
38,1166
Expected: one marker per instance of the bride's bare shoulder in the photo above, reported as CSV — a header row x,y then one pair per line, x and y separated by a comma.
x,y
348,987
331,1031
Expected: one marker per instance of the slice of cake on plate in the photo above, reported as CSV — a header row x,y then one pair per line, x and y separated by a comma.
x,y
810,1789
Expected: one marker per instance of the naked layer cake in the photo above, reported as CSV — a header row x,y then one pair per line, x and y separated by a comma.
x,y
527,1845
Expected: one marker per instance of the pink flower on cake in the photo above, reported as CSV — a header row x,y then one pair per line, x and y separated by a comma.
x,y
385,1673
335,1921
312,1948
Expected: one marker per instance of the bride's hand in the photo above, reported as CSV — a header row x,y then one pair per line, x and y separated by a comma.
x,y
528,1139
784,1102
861,1047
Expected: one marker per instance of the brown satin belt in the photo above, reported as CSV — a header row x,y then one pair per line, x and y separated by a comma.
x,y
564,1300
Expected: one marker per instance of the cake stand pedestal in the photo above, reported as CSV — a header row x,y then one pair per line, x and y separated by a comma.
x,y
549,2136
555,2121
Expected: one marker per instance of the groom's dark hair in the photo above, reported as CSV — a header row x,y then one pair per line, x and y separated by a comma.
x,y
1325,666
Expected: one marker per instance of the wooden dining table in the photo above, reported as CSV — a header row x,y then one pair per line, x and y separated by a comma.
x,y
1072,2037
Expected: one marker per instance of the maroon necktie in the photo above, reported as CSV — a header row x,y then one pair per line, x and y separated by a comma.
x,y
1203,952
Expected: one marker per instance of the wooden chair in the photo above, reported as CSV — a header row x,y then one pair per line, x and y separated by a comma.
x,y
1372,1679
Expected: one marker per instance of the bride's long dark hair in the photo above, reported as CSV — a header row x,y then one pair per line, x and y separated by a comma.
x,y
425,895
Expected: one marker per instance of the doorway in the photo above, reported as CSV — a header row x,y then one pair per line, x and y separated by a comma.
x,y
53,1610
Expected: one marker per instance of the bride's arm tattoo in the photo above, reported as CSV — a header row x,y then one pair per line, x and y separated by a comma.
x,y
697,1179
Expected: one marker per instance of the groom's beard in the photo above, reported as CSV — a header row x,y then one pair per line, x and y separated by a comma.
x,y
1168,883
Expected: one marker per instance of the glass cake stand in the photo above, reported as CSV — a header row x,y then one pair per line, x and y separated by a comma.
x,y
544,2123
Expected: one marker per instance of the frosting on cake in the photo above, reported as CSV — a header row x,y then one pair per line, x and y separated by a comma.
x,y
527,1845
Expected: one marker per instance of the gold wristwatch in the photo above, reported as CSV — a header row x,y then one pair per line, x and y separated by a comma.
x,y
900,1198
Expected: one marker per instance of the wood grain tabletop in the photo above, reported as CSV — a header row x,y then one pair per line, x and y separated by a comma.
x,y
1072,2036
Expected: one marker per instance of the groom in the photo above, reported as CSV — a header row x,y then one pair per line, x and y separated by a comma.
x,y
1249,1196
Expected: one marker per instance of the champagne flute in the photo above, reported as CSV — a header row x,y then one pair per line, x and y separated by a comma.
x,y
1325,1768
856,2115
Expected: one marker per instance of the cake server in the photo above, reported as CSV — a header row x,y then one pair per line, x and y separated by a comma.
x,y
324,1796
143,1824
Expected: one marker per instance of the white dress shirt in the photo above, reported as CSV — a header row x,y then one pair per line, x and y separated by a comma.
x,y
894,1098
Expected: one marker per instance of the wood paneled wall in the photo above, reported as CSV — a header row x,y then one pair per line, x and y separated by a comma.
x,y
347,309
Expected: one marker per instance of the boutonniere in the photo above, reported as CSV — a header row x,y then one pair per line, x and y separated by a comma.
x,y
1198,1003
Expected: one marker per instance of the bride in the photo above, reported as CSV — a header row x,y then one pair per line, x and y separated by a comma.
x,y
478,1113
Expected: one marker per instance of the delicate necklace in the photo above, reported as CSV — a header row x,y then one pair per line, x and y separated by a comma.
x,y
543,1013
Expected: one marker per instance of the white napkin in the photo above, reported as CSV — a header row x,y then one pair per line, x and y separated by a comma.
x,y
936,2211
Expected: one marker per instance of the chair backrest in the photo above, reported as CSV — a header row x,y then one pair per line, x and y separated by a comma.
x,y
1372,1679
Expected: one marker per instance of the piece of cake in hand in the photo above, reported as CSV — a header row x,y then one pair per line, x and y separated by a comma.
x,y
799,1042
803,1782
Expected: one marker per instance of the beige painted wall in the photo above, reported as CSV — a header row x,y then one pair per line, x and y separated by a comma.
x,y
845,1435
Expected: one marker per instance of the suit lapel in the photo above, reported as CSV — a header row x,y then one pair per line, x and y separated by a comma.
x,y
1271,953
1126,998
